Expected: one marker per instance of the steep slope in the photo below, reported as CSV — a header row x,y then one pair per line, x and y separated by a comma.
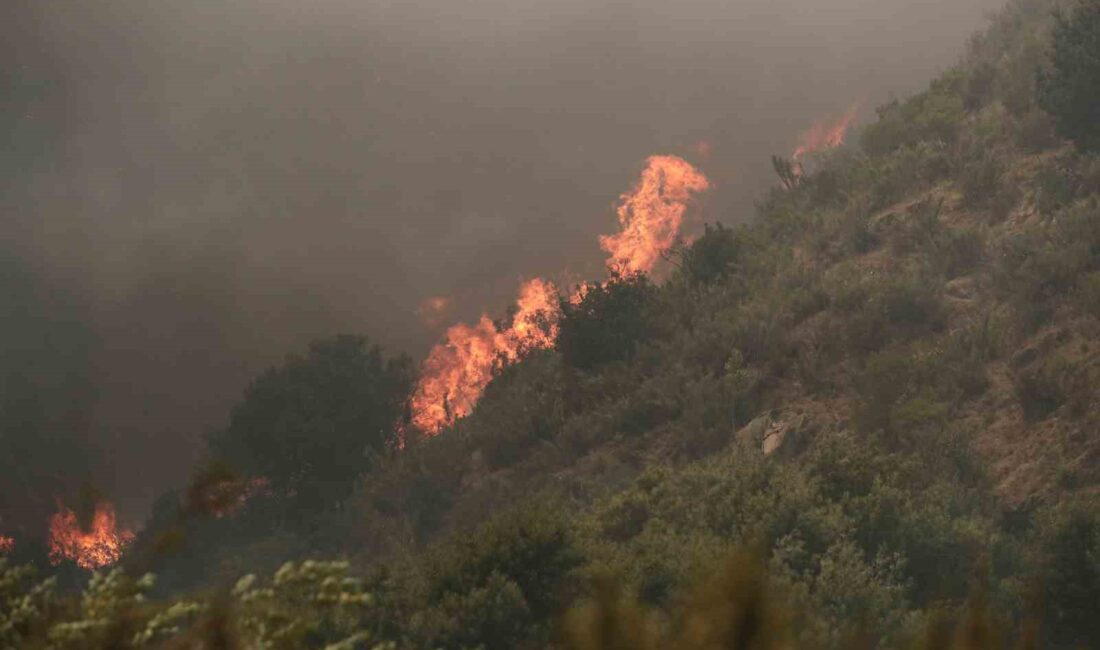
x,y
947,260
882,386
909,329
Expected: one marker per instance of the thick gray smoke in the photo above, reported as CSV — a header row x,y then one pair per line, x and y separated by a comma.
x,y
217,182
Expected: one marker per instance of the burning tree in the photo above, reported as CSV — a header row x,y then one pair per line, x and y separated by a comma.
x,y
455,374
457,371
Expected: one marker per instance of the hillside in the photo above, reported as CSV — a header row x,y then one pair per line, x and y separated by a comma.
x,y
880,390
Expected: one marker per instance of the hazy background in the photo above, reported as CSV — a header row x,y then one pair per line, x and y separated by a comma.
x,y
190,190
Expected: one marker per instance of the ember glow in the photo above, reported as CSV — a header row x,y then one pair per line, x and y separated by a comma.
x,y
826,134
457,371
100,545
432,310
228,497
6,544
651,214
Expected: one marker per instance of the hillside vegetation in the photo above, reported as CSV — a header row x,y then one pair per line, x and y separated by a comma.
x,y
866,418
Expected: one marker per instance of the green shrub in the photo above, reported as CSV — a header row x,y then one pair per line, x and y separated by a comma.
x,y
307,604
1071,543
493,616
1047,385
607,323
1033,274
310,425
910,168
1033,132
892,308
980,180
908,391
524,405
982,163
25,604
958,251
980,83
933,116
1088,294
1038,269
531,546
860,237
1069,88
1058,183
712,257
950,251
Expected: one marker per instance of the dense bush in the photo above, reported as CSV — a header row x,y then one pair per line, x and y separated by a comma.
x,y
310,426
878,308
932,116
1068,90
1038,269
1071,542
607,322
499,586
981,180
524,405
893,175
711,257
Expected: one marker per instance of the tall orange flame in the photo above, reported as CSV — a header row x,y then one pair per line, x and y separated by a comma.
x,y
535,324
456,372
100,545
826,134
651,213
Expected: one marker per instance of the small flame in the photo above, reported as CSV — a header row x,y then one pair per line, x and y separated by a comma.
x,y
457,371
651,213
6,544
100,545
826,134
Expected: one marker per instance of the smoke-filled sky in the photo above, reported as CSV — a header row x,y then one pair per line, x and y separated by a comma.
x,y
205,186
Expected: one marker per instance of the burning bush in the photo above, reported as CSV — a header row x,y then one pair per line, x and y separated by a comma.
x,y
98,544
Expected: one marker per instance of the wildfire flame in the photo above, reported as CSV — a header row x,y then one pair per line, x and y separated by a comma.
x,y
6,544
651,213
826,134
456,372
100,545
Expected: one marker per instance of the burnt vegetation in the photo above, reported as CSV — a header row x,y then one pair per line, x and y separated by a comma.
x,y
864,419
